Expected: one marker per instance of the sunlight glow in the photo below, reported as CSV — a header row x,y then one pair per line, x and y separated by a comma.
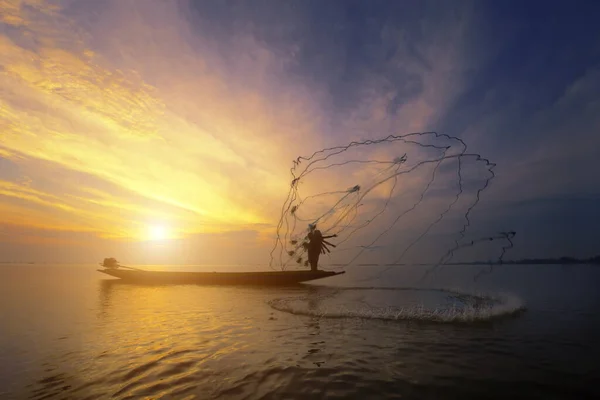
x,y
157,232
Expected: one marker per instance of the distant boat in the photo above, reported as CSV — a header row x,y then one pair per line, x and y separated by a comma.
x,y
268,278
111,263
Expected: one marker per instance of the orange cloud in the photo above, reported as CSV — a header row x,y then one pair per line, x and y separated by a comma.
x,y
129,120
208,156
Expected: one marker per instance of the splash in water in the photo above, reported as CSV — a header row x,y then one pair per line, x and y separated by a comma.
x,y
409,303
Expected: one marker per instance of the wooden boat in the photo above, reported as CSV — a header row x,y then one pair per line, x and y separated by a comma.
x,y
270,278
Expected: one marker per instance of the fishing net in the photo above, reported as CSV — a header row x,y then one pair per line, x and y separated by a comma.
x,y
400,199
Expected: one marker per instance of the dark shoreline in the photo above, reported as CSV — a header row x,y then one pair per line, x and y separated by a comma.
x,y
526,261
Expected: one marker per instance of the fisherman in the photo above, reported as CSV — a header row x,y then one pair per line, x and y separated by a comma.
x,y
316,246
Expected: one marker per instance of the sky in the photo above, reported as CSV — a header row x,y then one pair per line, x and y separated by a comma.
x,y
164,132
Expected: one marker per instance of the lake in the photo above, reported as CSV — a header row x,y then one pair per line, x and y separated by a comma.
x,y
462,332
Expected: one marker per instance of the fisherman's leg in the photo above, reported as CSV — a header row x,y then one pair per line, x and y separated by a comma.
x,y
316,258
313,259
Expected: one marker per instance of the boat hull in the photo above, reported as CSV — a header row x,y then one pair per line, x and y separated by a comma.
x,y
275,278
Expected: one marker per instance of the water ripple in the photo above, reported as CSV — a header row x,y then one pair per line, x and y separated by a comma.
x,y
187,342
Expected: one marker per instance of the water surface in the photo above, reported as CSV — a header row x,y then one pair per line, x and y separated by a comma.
x,y
520,331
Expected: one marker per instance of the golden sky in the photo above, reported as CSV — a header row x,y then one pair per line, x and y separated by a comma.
x,y
148,136
164,131
123,124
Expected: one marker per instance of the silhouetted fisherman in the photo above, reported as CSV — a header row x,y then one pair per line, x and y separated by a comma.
x,y
316,246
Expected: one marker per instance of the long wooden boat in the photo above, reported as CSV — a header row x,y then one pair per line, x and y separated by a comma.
x,y
270,278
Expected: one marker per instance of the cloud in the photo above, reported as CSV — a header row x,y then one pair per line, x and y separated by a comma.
x,y
189,139
118,115
553,149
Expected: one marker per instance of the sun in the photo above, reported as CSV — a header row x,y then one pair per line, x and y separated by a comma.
x,y
157,232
